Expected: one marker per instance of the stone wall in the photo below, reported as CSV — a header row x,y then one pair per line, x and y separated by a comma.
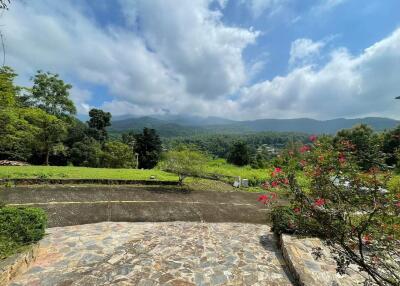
x,y
17,264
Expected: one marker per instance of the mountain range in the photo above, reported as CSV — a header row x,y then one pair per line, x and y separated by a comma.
x,y
185,125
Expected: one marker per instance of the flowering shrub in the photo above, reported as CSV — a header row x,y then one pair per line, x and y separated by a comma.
x,y
347,207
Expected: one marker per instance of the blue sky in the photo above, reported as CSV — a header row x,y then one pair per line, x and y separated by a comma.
x,y
240,59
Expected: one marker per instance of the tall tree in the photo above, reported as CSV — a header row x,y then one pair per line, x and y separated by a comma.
x,y
391,145
98,122
51,94
239,154
130,140
8,91
51,132
86,153
148,146
17,134
365,142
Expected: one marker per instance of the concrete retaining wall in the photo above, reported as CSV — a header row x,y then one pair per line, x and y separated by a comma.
x,y
37,181
82,204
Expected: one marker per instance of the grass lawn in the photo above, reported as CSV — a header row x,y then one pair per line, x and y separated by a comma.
x,y
65,172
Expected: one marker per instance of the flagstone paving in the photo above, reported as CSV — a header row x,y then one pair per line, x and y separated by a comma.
x,y
172,253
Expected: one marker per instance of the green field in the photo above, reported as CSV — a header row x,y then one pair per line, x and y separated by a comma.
x,y
221,167
54,172
218,167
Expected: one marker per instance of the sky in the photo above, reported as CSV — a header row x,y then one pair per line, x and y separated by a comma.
x,y
238,59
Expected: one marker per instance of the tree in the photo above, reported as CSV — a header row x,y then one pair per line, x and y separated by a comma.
x,y
239,154
98,122
77,131
51,132
51,94
86,153
8,91
184,163
365,142
17,134
391,145
350,209
117,155
148,147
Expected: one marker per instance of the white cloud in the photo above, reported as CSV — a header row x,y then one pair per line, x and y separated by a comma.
x,y
304,50
327,5
347,86
192,41
81,97
258,7
175,60
180,56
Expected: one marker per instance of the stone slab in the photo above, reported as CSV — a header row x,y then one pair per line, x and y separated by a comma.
x,y
310,271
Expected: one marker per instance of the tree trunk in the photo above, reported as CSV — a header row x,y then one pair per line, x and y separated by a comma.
x,y
47,157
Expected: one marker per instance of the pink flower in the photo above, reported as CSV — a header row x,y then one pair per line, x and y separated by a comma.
x,y
304,148
274,184
264,199
397,204
276,171
313,138
319,202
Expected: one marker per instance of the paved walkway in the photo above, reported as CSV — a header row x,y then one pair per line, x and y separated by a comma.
x,y
173,253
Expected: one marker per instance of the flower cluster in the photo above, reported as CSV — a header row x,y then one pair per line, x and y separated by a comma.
x,y
267,198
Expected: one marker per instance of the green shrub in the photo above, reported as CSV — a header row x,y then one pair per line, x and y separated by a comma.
x,y
22,225
8,247
284,220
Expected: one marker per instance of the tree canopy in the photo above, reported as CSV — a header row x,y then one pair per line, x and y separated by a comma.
x,y
51,94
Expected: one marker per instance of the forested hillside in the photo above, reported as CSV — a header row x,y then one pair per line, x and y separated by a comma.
x,y
172,126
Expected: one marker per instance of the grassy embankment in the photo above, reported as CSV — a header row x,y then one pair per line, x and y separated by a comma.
x,y
213,167
218,167
66,172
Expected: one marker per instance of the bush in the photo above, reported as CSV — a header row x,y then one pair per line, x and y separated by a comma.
x,y
117,155
8,247
22,225
284,220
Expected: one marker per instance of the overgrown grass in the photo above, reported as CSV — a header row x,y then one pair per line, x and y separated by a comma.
x,y
221,167
65,172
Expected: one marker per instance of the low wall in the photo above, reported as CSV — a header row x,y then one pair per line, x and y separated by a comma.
x,y
38,181
82,204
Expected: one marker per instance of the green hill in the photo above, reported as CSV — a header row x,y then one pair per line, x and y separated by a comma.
x,y
173,126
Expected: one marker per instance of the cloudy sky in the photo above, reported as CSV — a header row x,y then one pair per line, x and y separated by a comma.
x,y
239,59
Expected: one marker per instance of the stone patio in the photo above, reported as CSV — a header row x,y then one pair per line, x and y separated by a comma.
x,y
172,253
